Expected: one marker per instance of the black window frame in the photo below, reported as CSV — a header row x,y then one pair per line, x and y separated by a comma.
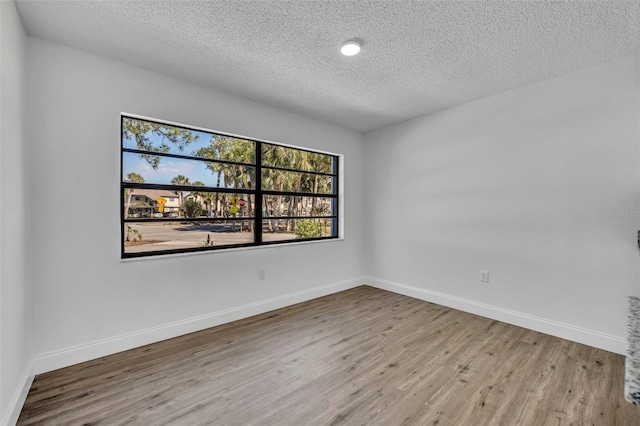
x,y
258,193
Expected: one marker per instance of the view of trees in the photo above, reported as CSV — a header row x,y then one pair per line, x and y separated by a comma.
x,y
300,182
131,177
142,132
192,208
236,176
306,175
181,181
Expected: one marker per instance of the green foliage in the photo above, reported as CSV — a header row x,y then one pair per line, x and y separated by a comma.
x,y
320,210
230,149
208,242
132,234
142,131
134,177
180,180
241,176
198,193
192,208
208,198
308,229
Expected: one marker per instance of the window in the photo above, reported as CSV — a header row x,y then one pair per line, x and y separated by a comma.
x,y
186,190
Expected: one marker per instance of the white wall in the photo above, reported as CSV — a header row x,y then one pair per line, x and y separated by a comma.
x,y
87,301
518,184
15,294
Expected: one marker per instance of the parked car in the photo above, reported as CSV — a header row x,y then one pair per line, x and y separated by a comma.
x,y
171,214
155,215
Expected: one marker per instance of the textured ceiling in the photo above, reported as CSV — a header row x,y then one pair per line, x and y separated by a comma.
x,y
417,58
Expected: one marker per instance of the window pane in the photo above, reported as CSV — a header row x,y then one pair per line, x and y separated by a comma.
x,y
176,171
143,237
291,158
278,180
154,137
164,204
296,229
281,205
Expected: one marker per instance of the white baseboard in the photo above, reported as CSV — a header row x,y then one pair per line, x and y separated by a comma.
x,y
99,348
585,336
19,396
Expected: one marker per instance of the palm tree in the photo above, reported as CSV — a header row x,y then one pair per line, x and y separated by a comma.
x,y
227,148
275,156
322,164
208,198
302,162
180,181
131,177
198,195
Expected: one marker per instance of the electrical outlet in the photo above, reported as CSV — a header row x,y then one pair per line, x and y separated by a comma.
x,y
484,276
261,274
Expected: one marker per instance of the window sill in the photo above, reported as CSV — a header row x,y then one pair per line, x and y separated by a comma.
x,y
228,250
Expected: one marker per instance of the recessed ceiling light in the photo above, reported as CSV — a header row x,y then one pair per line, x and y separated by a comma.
x,y
351,47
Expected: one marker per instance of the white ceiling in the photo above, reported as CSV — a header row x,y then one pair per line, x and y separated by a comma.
x,y
417,58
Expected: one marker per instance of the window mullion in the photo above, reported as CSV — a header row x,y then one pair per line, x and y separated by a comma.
x,y
257,229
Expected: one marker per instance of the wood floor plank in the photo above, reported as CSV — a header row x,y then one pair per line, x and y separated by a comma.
x,y
359,357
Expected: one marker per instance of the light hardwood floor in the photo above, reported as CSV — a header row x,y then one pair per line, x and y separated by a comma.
x,y
359,357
